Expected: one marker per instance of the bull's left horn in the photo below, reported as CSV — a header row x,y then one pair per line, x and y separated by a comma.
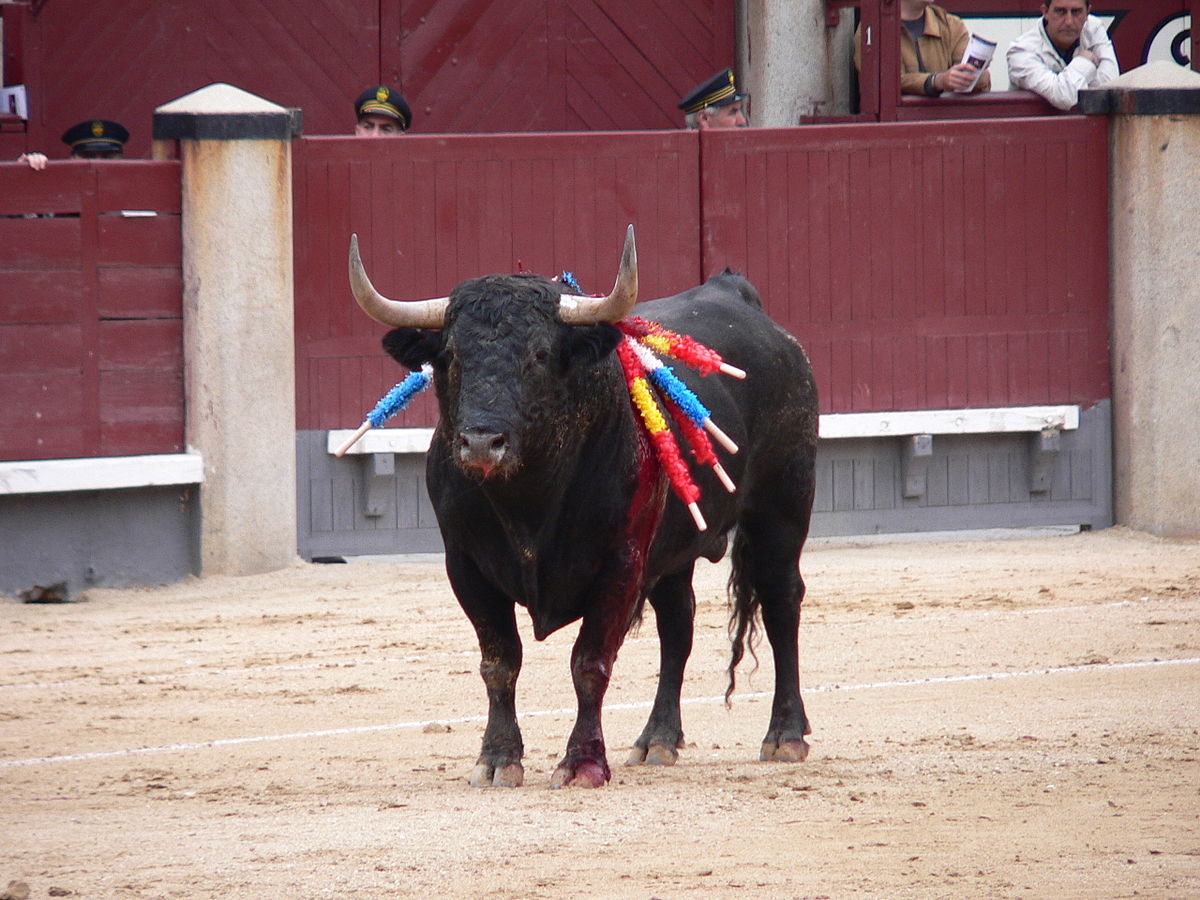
x,y
576,310
409,314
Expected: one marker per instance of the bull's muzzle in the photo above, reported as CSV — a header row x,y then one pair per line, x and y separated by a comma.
x,y
481,450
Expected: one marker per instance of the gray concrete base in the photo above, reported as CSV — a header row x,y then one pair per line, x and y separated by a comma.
x,y
968,481
334,497
864,486
114,538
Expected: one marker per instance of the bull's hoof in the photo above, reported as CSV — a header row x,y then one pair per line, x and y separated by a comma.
x,y
511,775
654,755
587,774
786,751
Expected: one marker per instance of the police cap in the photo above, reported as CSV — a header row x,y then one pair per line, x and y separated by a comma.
x,y
719,90
379,100
96,136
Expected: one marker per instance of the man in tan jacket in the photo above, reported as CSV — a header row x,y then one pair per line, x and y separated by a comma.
x,y
932,42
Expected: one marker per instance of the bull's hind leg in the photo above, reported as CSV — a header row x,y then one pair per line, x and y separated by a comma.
x,y
766,574
674,604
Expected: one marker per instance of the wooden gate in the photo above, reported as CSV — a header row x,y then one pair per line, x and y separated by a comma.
x,y
91,358
926,266
478,66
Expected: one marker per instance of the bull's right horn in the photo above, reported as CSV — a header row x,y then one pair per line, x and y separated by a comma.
x,y
408,314
576,310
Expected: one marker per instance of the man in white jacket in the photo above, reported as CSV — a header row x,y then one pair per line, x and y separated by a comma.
x,y
1066,51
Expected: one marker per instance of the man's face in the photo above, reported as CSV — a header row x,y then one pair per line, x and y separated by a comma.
x,y
731,115
372,125
96,154
1064,20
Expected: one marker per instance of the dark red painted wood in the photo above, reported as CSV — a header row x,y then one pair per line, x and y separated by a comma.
x,y
464,65
433,211
972,271
90,323
923,265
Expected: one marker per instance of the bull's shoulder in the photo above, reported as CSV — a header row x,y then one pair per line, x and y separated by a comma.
x,y
731,283
727,290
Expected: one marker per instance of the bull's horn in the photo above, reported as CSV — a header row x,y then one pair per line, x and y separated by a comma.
x,y
576,310
409,314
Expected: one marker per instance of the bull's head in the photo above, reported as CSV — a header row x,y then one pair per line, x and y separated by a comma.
x,y
514,359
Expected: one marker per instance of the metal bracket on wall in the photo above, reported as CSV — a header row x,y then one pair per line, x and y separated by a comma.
x,y
1043,450
915,453
379,470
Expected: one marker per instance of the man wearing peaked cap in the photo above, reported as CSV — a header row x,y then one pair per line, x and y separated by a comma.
x,y
93,139
96,139
716,103
381,112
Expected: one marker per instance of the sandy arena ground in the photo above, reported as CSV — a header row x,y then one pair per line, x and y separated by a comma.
x,y
992,718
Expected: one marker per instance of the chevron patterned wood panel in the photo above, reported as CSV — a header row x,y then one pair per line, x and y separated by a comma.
x,y
464,65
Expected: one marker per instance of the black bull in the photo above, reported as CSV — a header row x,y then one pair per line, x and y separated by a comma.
x,y
548,495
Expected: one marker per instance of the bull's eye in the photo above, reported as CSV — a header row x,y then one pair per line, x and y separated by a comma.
x,y
541,355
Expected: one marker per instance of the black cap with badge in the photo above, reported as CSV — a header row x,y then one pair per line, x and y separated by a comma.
x,y
96,136
717,91
380,100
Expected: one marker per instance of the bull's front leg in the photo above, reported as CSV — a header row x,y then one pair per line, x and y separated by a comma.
x,y
592,659
499,762
494,619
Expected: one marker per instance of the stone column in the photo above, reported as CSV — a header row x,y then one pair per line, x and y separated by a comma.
x,y
793,63
239,352
1154,183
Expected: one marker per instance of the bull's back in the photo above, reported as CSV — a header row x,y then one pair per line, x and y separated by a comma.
x,y
726,314
771,415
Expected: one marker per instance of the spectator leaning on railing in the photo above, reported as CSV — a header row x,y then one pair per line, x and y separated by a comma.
x,y
932,43
1067,51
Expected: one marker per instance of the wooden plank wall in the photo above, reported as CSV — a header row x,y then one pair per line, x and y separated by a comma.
x,y
433,211
463,65
925,265
91,337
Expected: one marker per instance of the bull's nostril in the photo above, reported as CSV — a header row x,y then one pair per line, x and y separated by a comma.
x,y
479,447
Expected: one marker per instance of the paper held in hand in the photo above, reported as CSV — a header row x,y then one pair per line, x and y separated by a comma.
x,y
977,55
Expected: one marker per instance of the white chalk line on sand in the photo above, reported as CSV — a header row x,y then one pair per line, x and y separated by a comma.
x,y
253,670
689,701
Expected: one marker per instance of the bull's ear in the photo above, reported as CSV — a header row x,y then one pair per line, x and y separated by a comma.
x,y
586,345
412,347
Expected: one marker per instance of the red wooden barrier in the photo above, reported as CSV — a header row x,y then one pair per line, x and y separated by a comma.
x,y
432,211
90,310
925,265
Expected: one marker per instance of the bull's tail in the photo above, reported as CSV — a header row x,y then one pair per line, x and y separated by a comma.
x,y
743,610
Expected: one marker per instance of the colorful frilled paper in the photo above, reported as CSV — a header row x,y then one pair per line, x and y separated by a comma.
x,y
391,403
653,385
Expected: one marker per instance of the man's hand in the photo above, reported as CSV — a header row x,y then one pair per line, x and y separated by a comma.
x,y
1089,56
36,161
956,78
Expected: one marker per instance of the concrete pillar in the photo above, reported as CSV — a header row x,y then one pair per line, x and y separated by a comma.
x,y
239,352
1154,165
793,62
